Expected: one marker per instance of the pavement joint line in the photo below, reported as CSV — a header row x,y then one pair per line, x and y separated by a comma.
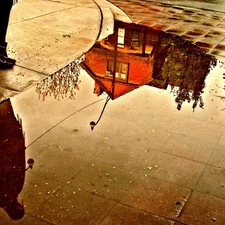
x,y
101,22
10,89
186,202
36,71
24,20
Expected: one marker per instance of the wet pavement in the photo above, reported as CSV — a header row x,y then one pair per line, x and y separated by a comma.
x,y
213,5
156,152
203,27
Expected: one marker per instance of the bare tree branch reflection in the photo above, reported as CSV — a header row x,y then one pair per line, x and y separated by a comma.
x,y
62,84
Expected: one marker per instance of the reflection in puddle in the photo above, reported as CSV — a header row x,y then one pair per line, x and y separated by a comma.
x,y
93,123
12,161
136,55
62,84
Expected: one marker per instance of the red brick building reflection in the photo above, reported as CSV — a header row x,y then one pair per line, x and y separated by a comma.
x,y
123,61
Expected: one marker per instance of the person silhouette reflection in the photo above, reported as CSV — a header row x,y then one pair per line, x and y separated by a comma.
x,y
12,161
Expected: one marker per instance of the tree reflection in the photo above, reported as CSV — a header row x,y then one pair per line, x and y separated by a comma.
x,y
62,84
185,68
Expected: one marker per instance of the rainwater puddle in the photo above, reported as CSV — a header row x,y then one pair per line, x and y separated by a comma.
x,y
137,55
148,84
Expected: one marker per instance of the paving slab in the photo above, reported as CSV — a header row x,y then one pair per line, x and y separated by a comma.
x,y
160,198
122,214
46,43
203,209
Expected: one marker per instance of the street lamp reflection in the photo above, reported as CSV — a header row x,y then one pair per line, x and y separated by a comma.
x,y
92,123
30,163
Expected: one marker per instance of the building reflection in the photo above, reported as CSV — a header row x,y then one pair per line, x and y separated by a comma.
x,y
12,161
137,55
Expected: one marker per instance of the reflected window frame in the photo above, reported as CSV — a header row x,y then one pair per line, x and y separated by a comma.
x,y
121,71
135,39
121,37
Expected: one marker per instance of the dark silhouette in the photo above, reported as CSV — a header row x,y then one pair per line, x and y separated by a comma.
x,y
5,9
12,161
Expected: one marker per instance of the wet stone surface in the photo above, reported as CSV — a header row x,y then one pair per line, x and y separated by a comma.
x,y
155,154
176,19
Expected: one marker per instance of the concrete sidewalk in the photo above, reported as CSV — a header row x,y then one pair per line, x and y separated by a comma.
x,y
45,36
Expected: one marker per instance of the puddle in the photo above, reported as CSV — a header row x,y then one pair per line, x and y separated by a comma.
x,y
136,55
153,79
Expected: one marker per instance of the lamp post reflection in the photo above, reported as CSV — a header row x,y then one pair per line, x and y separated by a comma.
x,y
92,123
30,163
